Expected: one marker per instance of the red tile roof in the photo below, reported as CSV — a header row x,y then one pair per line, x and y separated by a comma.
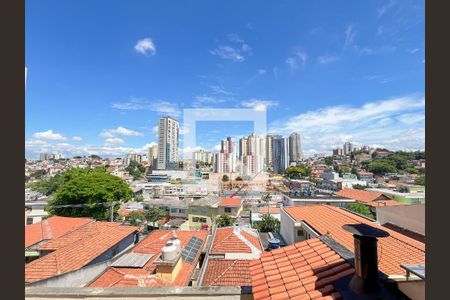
x,y
226,241
230,202
76,249
227,272
393,251
367,197
305,270
272,210
145,276
52,228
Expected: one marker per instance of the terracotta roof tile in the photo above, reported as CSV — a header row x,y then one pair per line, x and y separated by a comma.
x,y
76,249
393,251
227,272
226,241
310,283
230,202
52,228
367,197
145,276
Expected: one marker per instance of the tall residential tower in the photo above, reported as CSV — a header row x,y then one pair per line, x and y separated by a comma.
x,y
168,137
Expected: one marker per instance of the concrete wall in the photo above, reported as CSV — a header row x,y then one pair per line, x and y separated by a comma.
x,y
173,293
287,228
413,289
411,217
78,278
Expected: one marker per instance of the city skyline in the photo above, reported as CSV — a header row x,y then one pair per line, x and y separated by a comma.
x,y
101,87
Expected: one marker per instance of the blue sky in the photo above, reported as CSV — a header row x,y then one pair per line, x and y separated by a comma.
x,y
101,73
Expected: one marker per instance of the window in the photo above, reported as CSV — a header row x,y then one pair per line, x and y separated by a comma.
x,y
199,220
228,209
300,232
204,210
173,210
29,221
194,209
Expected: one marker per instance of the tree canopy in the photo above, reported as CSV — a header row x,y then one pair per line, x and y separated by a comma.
x,y
135,169
298,171
224,221
225,178
328,160
360,209
268,223
88,187
420,180
135,217
154,213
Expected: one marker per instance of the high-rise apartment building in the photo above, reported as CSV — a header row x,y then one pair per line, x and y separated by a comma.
x,y
348,148
279,153
242,147
153,156
269,148
168,138
295,148
202,156
225,160
253,159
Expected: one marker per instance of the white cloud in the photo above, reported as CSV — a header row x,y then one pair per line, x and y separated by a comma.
x,y
145,46
109,133
160,106
155,129
262,71
112,141
327,58
49,135
299,57
349,35
259,105
77,138
237,53
372,123
383,9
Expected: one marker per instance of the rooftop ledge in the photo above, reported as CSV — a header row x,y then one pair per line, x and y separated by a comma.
x,y
229,292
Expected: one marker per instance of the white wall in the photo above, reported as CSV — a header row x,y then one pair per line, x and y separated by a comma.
x,y
411,217
287,228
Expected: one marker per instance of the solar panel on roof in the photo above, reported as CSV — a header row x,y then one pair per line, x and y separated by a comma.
x,y
132,260
191,249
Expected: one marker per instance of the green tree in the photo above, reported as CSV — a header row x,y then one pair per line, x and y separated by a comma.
x,y
360,187
328,160
238,178
224,221
354,170
139,198
411,170
47,186
381,167
225,178
360,209
268,224
154,213
38,174
90,188
135,217
420,180
135,169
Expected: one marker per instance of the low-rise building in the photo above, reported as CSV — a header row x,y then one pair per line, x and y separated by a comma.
x,y
78,256
163,258
230,206
303,223
232,249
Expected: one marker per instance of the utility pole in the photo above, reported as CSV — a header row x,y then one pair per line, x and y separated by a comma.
x,y
111,214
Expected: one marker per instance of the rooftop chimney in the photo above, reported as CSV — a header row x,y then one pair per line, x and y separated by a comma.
x,y
365,280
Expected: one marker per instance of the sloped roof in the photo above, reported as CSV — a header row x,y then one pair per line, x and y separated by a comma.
x,y
52,228
393,251
227,241
230,202
367,197
227,272
304,270
145,276
76,249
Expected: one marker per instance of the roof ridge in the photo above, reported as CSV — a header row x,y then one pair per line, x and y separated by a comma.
x,y
223,273
394,236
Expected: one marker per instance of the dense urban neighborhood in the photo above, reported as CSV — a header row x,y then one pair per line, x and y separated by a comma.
x,y
257,214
